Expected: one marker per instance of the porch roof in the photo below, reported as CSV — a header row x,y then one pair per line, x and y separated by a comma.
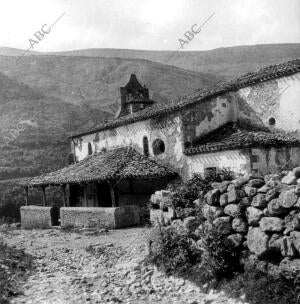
x,y
233,136
119,163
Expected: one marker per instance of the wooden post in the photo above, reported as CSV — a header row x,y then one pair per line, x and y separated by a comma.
x,y
63,189
112,194
85,202
44,196
26,196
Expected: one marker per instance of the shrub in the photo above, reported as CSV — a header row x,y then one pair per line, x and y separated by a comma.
x,y
260,287
220,259
175,252
184,193
14,266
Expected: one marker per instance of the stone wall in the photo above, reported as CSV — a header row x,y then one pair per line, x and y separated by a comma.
x,y
260,214
111,218
277,98
36,217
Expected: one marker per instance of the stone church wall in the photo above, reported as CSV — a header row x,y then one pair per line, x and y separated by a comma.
x,y
167,128
278,99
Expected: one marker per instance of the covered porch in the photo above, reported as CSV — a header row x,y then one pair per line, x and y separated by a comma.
x,y
121,178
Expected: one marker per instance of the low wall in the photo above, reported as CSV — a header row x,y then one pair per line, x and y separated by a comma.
x,y
35,217
98,217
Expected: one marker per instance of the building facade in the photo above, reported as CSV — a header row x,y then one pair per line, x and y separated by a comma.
x,y
260,104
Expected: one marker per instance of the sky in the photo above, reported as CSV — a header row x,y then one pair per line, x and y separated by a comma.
x,y
147,24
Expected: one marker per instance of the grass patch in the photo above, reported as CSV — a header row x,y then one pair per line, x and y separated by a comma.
x,y
15,266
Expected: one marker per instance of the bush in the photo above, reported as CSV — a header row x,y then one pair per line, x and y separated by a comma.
x,y
184,193
259,287
175,252
220,259
14,266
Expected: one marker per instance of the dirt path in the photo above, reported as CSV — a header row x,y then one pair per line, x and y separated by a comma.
x,y
104,268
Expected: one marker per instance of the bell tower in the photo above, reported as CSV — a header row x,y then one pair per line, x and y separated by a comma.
x,y
134,97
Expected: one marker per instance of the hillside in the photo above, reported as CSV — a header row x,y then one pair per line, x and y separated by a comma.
x,y
96,81
225,62
34,128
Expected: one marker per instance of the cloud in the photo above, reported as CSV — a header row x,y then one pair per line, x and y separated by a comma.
x,y
148,24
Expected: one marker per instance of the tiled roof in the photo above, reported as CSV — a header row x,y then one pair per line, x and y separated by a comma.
x,y
262,75
234,136
120,163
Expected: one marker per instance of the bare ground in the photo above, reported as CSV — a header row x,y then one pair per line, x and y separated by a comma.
x,y
105,267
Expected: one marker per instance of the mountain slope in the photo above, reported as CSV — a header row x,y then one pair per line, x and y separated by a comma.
x,y
96,81
225,62
34,128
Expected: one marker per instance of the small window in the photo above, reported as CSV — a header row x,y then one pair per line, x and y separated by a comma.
x,y
158,147
90,149
146,146
272,121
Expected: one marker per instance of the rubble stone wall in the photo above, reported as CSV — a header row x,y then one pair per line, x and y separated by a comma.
x,y
259,214
98,217
35,217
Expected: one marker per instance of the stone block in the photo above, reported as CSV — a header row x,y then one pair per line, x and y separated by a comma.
x,y
100,217
259,201
296,172
290,268
212,211
287,247
288,199
253,216
36,217
295,235
233,210
256,182
224,199
275,208
271,224
212,197
223,225
236,239
264,189
290,223
250,191
289,179
239,225
233,196
275,242
271,194
245,202
257,241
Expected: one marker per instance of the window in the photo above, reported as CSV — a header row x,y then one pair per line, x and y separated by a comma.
x,y
146,146
272,121
90,149
158,146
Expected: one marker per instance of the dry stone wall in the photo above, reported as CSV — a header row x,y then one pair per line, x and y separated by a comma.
x,y
35,217
259,214
98,217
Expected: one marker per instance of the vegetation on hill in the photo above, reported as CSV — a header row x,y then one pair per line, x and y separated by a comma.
x,y
226,62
